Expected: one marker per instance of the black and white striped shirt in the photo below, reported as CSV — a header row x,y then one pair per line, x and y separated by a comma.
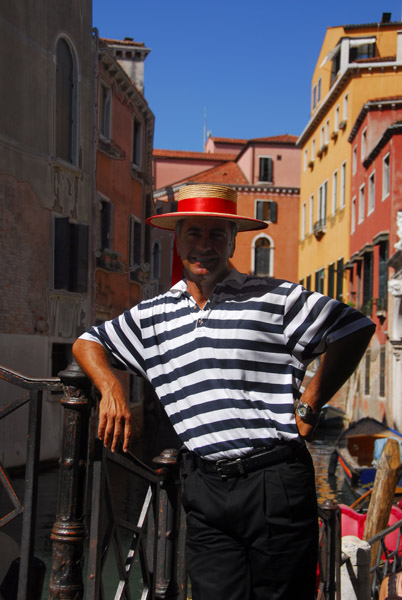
x,y
228,375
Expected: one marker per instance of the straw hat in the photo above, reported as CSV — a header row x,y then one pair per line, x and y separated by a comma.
x,y
206,200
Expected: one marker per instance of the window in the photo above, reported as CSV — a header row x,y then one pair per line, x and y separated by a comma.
x,y
305,159
336,119
262,257
322,137
367,283
303,231
106,225
266,169
343,185
382,372
371,194
354,160
313,150
363,148
314,96
61,357
266,210
382,276
385,176
311,215
326,137
70,261
336,65
353,216
66,108
331,280
319,90
334,191
367,361
362,203
322,203
308,283
319,281
137,143
345,107
359,50
339,279
135,242
105,111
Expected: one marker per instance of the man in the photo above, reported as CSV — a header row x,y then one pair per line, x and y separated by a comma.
x,y
226,354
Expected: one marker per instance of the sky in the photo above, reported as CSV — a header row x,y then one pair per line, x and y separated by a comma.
x,y
231,68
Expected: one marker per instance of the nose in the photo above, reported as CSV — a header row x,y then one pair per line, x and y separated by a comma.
x,y
204,241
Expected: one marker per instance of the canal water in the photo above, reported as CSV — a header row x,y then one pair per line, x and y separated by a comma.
x,y
321,448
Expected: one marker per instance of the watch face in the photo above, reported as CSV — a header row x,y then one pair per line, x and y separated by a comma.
x,y
302,410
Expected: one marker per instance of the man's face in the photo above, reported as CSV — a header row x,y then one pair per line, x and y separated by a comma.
x,y
205,246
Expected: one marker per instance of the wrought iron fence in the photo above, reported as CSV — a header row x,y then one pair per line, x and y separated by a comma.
x,y
29,580
389,560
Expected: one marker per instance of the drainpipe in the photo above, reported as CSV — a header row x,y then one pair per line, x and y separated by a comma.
x,y
92,224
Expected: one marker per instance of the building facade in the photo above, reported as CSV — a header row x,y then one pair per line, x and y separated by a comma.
x,y
46,198
376,195
356,63
265,173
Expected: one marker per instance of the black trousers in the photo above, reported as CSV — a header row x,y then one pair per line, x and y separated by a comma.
x,y
253,537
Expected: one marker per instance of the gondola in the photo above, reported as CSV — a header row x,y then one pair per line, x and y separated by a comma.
x,y
358,450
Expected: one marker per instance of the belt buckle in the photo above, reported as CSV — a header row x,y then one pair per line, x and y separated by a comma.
x,y
218,467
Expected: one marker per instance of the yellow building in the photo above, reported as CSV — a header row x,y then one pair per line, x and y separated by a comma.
x,y
356,63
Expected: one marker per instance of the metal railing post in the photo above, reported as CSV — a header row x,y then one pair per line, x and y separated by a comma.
x,y
170,571
332,550
69,533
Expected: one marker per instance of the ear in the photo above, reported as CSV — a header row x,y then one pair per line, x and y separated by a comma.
x,y
233,247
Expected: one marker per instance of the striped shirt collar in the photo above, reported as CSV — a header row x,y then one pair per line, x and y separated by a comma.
x,y
180,288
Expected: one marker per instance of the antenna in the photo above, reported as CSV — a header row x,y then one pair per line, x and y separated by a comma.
x,y
205,127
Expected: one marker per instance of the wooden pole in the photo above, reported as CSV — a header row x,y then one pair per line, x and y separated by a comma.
x,y
383,493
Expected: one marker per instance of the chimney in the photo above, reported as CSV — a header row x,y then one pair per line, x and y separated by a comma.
x,y
386,17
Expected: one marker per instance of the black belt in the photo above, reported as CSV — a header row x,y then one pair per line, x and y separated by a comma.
x,y
241,466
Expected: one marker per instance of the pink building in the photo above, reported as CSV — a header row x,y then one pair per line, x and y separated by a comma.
x,y
265,173
376,193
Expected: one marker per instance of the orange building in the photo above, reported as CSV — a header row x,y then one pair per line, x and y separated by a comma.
x,y
123,180
265,173
356,63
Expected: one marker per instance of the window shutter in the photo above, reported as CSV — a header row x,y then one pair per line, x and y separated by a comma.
x,y
79,276
61,268
269,170
273,206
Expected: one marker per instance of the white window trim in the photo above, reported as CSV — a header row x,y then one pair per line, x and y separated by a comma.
x,y
353,215
371,194
363,145
386,194
362,207
271,254
311,215
342,195
334,191
354,160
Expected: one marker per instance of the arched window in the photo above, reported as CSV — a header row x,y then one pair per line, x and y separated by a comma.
x,y
66,104
263,256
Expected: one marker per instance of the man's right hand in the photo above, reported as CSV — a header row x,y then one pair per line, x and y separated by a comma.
x,y
114,412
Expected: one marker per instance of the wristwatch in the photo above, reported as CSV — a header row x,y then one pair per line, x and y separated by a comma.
x,y
306,413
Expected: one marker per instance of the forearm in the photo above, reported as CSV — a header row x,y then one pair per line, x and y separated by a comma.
x,y
337,365
114,412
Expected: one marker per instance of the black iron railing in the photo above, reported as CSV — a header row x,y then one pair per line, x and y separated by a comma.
x,y
30,577
388,560
329,555
143,548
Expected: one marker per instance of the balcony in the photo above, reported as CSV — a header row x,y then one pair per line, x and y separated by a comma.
x,y
319,228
